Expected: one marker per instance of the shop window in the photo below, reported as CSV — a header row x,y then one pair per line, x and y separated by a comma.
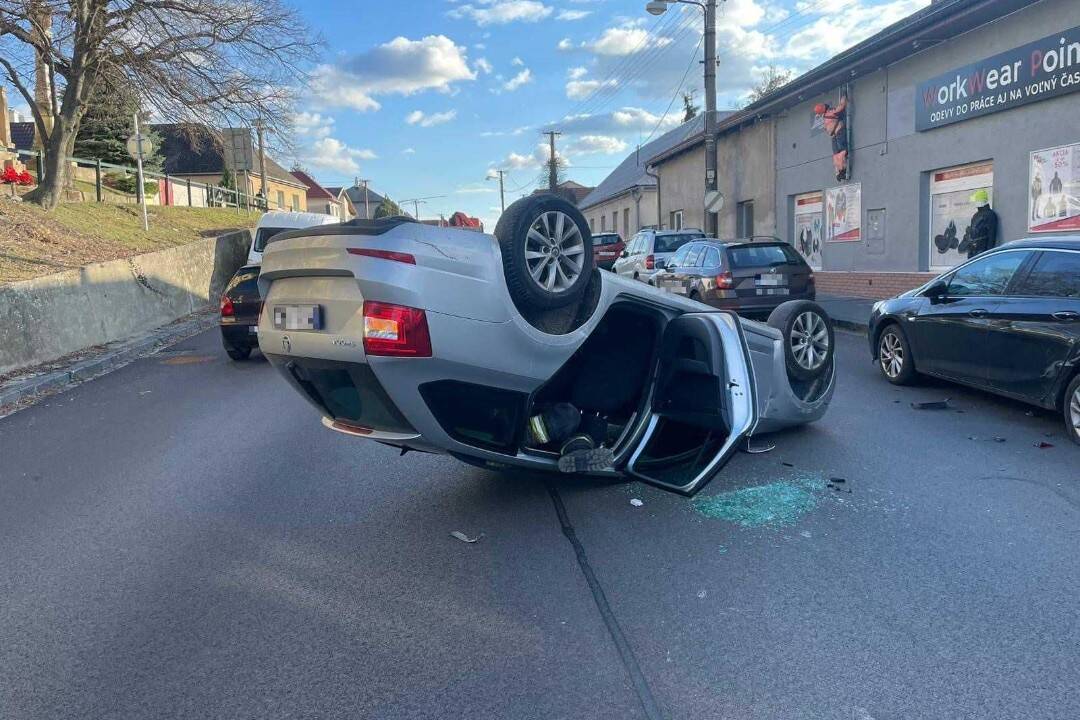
x,y
951,209
809,226
744,219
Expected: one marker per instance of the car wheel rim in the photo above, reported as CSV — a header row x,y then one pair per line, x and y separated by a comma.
x,y
1074,410
892,355
554,251
810,340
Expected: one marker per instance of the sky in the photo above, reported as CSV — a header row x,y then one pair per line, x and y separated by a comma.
x,y
426,98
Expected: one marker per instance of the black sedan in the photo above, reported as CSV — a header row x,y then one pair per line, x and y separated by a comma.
x,y
1007,321
240,308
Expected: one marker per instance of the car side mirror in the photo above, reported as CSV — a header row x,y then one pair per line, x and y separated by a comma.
x,y
936,290
661,264
625,254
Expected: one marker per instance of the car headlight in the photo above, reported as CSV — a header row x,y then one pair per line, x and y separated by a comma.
x,y
877,306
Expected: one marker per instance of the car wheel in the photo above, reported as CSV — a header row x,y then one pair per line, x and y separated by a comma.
x,y
546,251
1072,410
238,354
808,338
894,356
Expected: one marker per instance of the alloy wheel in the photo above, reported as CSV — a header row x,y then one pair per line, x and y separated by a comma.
x,y
1074,410
554,250
891,355
810,340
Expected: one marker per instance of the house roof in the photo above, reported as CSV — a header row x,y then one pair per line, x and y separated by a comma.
x,y
22,135
913,34
573,191
356,196
315,191
631,172
195,153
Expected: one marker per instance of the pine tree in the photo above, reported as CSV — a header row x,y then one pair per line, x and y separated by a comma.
x,y
108,124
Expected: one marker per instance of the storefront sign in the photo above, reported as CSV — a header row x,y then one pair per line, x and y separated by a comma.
x,y
1037,71
843,213
808,227
951,209
1054,190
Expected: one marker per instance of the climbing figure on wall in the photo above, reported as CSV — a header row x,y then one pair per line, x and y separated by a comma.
x,y
835,121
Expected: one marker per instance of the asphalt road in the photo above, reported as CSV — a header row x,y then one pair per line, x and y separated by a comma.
x,y
182,538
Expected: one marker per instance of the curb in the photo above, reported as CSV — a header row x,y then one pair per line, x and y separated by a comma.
x,y
21,391
860,328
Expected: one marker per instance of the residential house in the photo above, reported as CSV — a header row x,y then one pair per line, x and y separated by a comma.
x,y
575,192
193,155
319,199
347,208
365,201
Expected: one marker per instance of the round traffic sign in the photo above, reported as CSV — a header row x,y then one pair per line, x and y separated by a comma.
x,y
133,143
714,201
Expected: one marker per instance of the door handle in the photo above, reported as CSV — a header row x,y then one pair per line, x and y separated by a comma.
x,y
1066,315
977,313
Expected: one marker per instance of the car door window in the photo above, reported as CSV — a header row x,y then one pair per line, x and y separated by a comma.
x,y
679,259
693,255
1056,274
712,258
987,276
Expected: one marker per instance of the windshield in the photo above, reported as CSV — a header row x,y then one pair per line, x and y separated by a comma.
x,y
761,256
671,243
265,233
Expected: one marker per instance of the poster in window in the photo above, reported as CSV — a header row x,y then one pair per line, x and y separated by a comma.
x,y
843,213
951,210
1054,190
808,227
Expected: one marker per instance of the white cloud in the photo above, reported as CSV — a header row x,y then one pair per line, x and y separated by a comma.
x,y
536,160
409,151
571,15
576,73
597,144
314,125
522,78
481,65
626,121
517,62
401,67
501,12
621,41
580,89
333,155
418,117
476,189
504,133
565,45
840,30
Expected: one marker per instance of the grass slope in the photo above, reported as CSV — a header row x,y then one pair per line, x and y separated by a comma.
x,y
35,243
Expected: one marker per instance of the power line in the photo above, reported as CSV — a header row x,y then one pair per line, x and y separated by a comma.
x,y
693,57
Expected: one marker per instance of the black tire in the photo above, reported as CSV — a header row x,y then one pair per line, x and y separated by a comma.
x,y
239,354
893,356
809,342
1071,407
549,281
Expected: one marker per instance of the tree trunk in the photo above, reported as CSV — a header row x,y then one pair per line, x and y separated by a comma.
x,y
57,165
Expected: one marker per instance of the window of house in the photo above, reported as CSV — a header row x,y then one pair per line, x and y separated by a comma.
x,y
676,219
603,223
615,221
281,199
744,219
592,224
295,203
1056,274
626,221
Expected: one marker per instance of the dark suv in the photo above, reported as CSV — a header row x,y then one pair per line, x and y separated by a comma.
x,y
1007,321
751,277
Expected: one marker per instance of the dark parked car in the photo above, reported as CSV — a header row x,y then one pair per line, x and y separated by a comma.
x,y
748,276
1007,321
240,308
606,248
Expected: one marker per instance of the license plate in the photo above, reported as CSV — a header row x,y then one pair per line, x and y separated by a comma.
x,y
254,329
297,317
770,280
773,291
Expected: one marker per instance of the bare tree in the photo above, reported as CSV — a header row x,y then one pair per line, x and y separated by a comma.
x,y
690,110
194,62
771,78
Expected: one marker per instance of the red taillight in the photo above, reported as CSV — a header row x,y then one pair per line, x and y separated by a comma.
x,y
650,262
384,255
395,331
227,309
724,281
351,428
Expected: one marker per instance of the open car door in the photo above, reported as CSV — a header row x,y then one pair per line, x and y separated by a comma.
x,y
702,403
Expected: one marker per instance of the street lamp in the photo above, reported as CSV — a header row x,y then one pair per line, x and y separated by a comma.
x,y
659,7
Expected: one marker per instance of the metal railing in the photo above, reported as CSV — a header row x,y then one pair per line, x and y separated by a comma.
x,y
192,193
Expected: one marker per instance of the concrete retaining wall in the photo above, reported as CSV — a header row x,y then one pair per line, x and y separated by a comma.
x,y
48,317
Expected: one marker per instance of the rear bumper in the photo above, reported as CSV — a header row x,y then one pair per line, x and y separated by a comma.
x,y
240,334
760,304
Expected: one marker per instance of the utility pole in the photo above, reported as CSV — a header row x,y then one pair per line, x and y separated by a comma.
x,y
138,160
502,192
711,180
553,168
263,190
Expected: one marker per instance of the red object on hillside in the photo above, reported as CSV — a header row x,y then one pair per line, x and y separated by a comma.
x,y
25,178
10,175
461,220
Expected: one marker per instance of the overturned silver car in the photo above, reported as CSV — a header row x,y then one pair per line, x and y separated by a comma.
x,y
512,351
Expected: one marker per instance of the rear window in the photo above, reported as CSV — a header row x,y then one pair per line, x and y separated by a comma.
x,y
605,239
746,256
265,233
671,243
